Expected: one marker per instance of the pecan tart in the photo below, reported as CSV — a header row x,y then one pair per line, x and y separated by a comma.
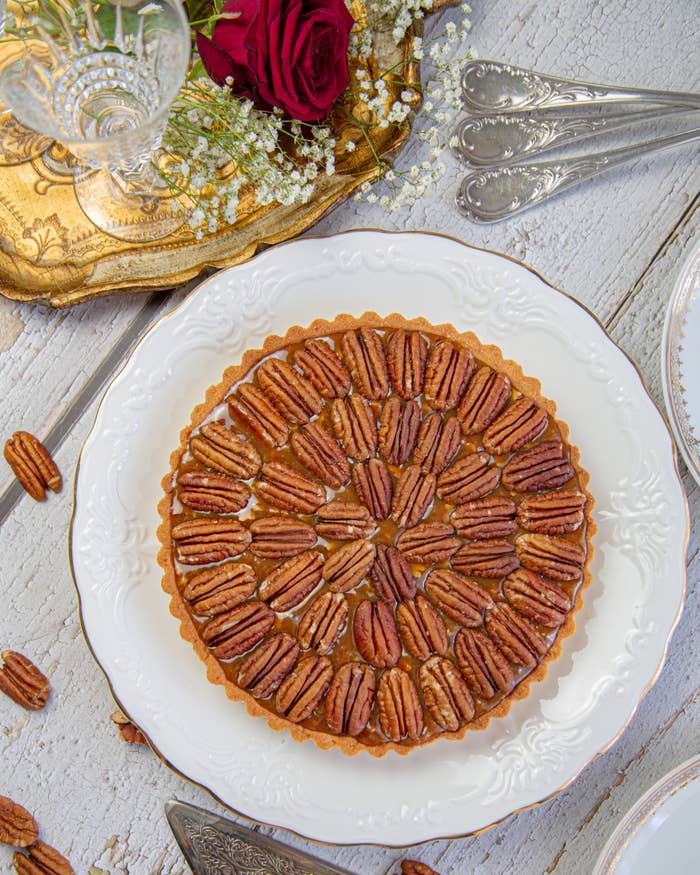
x,y
375,533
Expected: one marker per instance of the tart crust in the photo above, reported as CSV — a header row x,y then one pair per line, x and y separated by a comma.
x,y
215,394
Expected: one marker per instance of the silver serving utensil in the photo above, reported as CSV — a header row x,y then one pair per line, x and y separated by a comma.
x,y
213,845
488,140
497,193
490,86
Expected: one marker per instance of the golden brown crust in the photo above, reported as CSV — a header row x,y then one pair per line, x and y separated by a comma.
x,y
491,355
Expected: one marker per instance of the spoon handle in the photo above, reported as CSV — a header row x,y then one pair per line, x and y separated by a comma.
x,y
488,140
497,193
489,86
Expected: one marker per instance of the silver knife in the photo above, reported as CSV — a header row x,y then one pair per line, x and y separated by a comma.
x,y
213,845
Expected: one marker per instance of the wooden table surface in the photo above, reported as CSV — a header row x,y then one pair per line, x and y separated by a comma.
x,y
616,245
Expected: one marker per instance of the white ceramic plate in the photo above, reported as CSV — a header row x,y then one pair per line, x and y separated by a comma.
x,y
660,832
681,361
447,788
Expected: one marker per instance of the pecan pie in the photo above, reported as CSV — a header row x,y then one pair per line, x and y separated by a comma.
x,y
375,533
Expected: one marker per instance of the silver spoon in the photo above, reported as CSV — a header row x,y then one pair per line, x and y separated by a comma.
x,y
497,193
487,140
490,86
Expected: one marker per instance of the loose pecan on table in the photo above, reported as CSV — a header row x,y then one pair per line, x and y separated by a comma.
x,y
22,681
470,477
128,731
324,368
321,453
349,565
428,543
278,537
552,513
209,539
483,666
249,406
448,372
407,353
17,827
303,689
490,517
553,557
374,487
391,575
288,391
364,353
217,447
323,622
413,496
422,629
543,466
350,698
459,598
215,590
376,635
487,394
32,464
493,558
344,521
519,424
519,640
355,426
262,672
212,493
437,443
413,867
239,629
284,487
398,703
292,581
42,859
398,429
445,693
537,599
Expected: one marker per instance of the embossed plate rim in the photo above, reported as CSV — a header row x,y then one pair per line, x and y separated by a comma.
x,y
428,821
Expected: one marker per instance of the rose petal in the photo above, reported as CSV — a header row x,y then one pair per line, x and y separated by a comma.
x,y
216,62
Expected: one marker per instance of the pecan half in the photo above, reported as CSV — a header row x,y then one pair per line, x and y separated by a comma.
x,y
413,496
376,635
17,826
413,867
519,424
468,478
288,391
519,640
437,444
349,565
543,466
212,493
321,453
215,590
374,488
539,600
303,689
250,407
280,537
428,543
391,575
355,426
42,860
445,694
423,630
458,598
407,353
323,622
493,558
553,557
292,581
221,449
364,352
282,486
400,710
398,429
128,731
490,517
552,513
239,629
209,539
323,367
22,681
268,665
487,394
344,521
483,666
32,464
447,374
350,698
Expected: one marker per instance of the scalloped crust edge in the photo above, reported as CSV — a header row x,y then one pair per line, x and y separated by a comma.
x,y
491,355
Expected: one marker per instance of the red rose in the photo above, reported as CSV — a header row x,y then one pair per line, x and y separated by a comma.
x,y
286,53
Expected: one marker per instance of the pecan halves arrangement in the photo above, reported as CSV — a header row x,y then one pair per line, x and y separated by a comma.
x,y
387,535
32,464
41,859
22,681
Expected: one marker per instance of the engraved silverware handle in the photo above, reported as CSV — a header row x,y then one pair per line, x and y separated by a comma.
x,y
488,140
497,193
489,86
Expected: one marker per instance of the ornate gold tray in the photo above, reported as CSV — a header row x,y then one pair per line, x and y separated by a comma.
x,y
50,252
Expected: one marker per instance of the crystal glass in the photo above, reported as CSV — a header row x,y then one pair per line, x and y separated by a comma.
x,y
99,76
